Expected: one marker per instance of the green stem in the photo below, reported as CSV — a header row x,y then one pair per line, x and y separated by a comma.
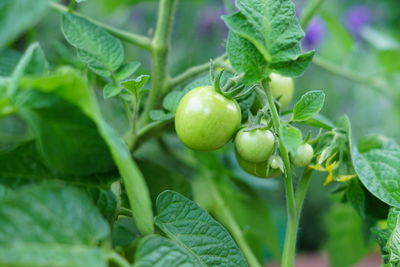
x,y
309,12
230,222
289,249
118,259
379,85
135,39
301,189
125,212
161,44
192,72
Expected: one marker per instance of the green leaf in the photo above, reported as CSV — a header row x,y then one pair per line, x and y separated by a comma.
x,y
134,85
371,142
319,121
9,59
111,90
33,62
51,225
345,242
126,70
309,104
264,37
69,85
24,165
379,171
124,232
68,140
171,101
196,238
157,251
102,52
161,115
18,16
291,137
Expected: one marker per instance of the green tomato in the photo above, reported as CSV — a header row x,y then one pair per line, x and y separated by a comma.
x,y
257,169
206,120
255,146
282,87
303,156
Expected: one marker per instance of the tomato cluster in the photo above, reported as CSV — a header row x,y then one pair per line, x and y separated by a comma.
x,y
206,120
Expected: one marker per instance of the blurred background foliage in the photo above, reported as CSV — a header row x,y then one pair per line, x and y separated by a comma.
x,y
357,44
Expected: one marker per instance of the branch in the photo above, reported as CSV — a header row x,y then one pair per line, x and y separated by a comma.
x,y
135,39
379,85
194,71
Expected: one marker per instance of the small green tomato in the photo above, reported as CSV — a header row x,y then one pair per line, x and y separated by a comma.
x,y
282,88
206,120
255,146
258,169
303,155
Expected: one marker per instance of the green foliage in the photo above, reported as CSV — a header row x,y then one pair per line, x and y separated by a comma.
x,y
46,225
264,37
309,104
291,137
206,244
102,52
27,12
345,244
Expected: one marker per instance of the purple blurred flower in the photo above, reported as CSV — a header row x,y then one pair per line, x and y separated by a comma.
x,y
210,21
357,17
315,33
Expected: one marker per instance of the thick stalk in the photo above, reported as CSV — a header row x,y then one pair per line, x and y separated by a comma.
x,y
230,223
289,249
160,44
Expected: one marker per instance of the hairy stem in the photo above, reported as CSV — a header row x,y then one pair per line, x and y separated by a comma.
x,y
289,250
194,71
160,44
135,39
231,223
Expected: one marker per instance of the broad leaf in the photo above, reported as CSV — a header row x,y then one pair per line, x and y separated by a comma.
x,y
171,101
51,225
195,237
9,58
161,115
17,16
33,62
24,165
102,52
309,104
291,137
379,171
134,85
68,140
126,70
345,242
264,37
69,85
111,90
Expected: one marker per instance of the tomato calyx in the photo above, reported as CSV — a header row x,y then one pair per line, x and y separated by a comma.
x,y
232,89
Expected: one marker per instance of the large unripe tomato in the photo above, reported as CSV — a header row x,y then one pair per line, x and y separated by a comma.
x,y
206,120
282,88
257,169
303,156
254,146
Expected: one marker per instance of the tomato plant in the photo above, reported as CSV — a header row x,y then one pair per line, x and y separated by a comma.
x,y
115,148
